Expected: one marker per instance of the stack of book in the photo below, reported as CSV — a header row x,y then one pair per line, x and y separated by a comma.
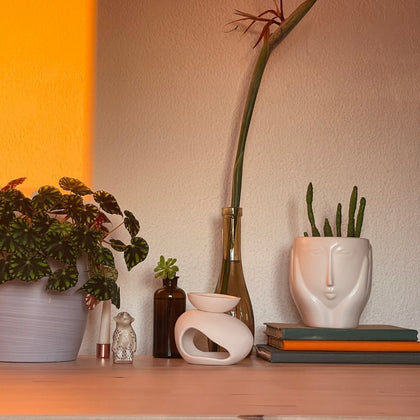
x,y
296,343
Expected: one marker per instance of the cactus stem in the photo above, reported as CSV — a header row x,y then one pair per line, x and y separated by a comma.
x,y
360,215
309,199
352,211
327,228
338,220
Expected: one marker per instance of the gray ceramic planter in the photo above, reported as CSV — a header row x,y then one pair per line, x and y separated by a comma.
x,y
41,326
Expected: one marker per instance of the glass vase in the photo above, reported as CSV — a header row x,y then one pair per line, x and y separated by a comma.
x,y
169,304
231,280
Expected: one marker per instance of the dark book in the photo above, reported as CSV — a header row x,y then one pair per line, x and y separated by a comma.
x,y
275,355
360,333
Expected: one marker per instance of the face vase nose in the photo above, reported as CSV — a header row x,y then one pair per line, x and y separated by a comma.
x,y
329,281
329,278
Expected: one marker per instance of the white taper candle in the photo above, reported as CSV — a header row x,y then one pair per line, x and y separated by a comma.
x,y
105,327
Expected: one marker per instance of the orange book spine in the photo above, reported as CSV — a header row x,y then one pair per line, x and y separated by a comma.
x,y
410,346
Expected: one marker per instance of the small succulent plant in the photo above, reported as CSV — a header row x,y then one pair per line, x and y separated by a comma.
x,y
354,225
166,268
52,225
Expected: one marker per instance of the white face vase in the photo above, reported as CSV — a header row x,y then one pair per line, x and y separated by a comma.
x,y
330,280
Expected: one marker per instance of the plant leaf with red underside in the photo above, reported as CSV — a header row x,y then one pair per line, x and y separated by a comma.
x,y
13,184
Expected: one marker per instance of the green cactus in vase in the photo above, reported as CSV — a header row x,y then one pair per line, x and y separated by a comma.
x,y
355,222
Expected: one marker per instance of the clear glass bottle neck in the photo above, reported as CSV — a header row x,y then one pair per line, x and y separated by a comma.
x,y
231,233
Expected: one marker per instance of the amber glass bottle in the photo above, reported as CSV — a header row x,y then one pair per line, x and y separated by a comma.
x,y
169,304
231,280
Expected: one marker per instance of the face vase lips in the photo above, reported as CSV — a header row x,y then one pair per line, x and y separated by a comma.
x,y
330,293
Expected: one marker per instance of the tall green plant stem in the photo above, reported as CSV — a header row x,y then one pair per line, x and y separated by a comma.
x,y
269,44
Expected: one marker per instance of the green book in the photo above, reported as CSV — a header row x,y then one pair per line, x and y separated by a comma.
x,y
361,333
274,355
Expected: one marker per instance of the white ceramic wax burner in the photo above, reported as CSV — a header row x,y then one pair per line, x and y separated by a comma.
x,y
209,319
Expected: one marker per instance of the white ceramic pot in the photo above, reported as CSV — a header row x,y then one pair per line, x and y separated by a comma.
x,y
37,325
330,280
209,319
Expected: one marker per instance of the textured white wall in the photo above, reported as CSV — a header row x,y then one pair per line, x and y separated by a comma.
x,y
339,106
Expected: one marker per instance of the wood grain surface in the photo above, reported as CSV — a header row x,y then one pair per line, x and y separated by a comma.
x,y
164,387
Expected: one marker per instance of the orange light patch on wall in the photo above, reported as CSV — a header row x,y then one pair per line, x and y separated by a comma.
x,y
47,88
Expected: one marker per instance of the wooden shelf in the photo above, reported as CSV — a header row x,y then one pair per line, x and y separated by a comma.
x,y
171,387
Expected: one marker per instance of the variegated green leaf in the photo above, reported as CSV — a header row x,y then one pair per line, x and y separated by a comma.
x,y
41,222
23,234
136,252
73,206
13,196
90,214
102,256
7,243
63,279
115,300
6,211
102,288
103,270
131,223
48,197
107,202
4,270
74,185
60,249
63,229
28,267
25,207
118,245
88,240
14,200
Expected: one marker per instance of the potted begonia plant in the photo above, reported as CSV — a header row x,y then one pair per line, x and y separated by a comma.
x,y
58,245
